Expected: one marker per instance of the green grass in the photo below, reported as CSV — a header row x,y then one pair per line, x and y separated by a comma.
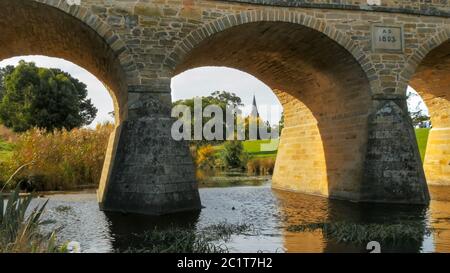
x,y
6,150
422,138
253,147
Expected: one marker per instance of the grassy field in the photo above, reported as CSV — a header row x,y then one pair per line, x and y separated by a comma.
x,y
422,137
253,147
261,148
256,149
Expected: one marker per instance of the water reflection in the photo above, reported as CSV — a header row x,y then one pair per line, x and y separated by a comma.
x,y
122,227
302,209
269,211
439,215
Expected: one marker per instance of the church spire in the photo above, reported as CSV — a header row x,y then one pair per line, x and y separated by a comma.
x,y
255,112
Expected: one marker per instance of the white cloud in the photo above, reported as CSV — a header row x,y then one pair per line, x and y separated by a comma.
x,y
205,80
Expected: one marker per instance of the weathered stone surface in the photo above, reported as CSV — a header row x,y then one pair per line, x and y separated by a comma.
x,y
152,174
392,169
316,55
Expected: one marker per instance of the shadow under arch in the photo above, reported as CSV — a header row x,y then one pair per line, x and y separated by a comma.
x,y
54,29
34,28
325,94
431,80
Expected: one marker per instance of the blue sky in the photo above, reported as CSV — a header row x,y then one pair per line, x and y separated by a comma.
x,y
196,82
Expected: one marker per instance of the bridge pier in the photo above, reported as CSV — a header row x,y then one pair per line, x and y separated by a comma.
x,y
393,170
148,172
437,157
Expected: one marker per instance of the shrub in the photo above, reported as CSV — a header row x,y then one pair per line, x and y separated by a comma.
x,y
206,157
233,154
62,159
261,166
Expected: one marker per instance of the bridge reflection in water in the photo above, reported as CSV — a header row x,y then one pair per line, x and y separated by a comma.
x,y
310,209
269,212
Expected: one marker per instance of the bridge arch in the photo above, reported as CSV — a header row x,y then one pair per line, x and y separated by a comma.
x,y
73,33
428,72
324,90
200,34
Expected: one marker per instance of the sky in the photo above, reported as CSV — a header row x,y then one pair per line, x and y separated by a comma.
x,y
196,82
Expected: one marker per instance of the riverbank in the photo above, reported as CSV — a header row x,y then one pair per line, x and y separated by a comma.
x,y
64,167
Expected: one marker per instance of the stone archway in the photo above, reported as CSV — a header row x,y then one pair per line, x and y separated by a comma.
x,y
74,34
34,28
429,70
324,92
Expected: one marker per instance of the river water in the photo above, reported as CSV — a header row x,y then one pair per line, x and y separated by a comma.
x,y
253,202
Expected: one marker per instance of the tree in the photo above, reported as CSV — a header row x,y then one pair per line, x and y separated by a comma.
x,y
222,99
233,154
44,98
4,71
281,126
416,109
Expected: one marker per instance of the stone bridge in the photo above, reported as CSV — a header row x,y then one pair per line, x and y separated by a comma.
x,y
339,67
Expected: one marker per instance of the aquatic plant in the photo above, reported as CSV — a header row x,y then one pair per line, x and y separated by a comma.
x,y
186,240
19,233
224,230
174,240
346,232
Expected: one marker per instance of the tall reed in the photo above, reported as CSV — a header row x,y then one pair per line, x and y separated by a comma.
x,y
261,166
21,233
62,159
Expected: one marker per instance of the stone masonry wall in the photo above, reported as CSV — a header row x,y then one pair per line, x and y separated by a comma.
x,y
153,40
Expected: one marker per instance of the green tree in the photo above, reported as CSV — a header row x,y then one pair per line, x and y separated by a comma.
x,y
222,99
233,154
44,98
4,71
281,126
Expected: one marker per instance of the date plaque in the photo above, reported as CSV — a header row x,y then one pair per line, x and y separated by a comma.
x,y
387,38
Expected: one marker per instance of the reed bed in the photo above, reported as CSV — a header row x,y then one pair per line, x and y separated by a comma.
x,y
261,166
63,160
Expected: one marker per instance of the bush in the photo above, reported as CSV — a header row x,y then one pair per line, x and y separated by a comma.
x,y
206,157
63,159
261,166
233,154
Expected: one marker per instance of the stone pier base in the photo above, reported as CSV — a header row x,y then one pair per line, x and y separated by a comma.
x,y
393,171
151,173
